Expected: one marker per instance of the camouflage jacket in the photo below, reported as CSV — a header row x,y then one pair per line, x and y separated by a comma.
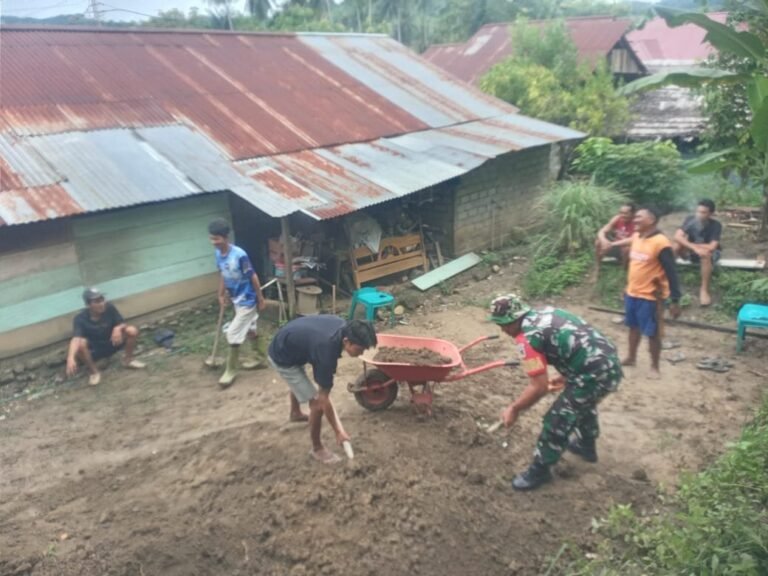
x,y
568,343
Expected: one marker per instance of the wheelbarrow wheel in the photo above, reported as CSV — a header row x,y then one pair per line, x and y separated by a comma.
x,y
379,398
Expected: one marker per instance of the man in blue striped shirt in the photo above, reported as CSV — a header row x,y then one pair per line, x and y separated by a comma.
x,y
240,285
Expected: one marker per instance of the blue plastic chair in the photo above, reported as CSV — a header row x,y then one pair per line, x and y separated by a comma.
x,y
754,315
372,299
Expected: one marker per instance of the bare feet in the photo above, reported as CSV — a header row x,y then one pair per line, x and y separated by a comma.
x,y
325,456
654,374
628,362
298,417
704,299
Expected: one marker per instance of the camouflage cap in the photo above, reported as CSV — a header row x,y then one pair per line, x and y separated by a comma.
x,y
508,309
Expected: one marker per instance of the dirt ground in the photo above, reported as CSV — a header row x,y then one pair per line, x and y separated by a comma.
x,y
160,473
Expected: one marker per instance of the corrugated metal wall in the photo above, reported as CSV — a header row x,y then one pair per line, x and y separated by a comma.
x,y
124,253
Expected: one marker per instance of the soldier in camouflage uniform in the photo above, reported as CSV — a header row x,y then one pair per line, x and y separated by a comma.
x,y
588,367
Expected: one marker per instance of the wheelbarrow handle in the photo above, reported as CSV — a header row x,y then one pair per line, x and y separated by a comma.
x,y
476,370
477,341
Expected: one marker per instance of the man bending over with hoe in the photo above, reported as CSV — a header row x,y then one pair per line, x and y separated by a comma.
x,y
588,367
319,342
240,285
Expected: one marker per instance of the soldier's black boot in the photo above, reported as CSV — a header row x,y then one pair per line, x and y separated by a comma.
x,y
585,448
536,475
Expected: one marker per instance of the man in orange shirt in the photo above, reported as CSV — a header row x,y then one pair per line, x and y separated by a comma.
x,y
652,279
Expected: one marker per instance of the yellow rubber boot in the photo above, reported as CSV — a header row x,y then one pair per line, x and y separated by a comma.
x,y
258,359
228,378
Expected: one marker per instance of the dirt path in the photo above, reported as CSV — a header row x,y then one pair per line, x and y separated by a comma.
x,y
161,473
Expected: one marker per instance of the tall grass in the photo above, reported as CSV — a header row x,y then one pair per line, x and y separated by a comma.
x,y
571,214
716,525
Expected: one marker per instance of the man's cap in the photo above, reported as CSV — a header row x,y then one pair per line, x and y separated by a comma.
x,y
90,294
507,309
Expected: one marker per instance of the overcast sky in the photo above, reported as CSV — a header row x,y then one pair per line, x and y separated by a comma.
x,y
45,8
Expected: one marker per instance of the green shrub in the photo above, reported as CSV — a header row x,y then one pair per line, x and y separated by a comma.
x,y
648,172
738,287
717,525
544,79
572,214
551,275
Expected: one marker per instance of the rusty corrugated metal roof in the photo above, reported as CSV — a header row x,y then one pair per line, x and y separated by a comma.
x,y
334,181
254,94
106,118
594,37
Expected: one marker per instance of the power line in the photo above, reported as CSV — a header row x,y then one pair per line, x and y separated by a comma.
x,y
31,11
111,8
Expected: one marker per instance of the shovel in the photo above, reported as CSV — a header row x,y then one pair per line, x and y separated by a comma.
x,y
213,361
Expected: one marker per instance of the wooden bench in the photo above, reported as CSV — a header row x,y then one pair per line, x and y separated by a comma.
x,y
396,254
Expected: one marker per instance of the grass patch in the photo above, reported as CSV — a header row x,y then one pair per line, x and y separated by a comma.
x,y
551,275
716,524
737,287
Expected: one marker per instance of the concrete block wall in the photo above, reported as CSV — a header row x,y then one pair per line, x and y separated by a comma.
x,y
493,200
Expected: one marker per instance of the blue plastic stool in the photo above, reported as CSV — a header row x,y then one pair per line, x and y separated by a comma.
x,y
755,315
373,299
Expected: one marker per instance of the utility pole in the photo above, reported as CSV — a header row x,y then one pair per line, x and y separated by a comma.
x,y
93,9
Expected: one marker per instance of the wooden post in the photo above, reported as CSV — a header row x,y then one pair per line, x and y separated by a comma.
x,y
288,255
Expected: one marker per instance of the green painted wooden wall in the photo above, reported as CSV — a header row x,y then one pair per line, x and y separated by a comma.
x,y
124,252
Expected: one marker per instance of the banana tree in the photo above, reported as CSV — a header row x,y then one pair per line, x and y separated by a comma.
x,y
751,154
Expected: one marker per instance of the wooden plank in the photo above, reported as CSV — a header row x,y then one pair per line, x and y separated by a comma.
x,y
23,288
389,260
34,236
210,204
37,260
109,267
398,242
447,271
366,275
735,263
288,253
130,239
67,301
40,309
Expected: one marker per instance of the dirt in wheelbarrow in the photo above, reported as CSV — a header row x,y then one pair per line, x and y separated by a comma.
x,y
161,473
415,356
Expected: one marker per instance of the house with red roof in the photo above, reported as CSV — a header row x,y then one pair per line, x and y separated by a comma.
x,y
672,112
597,38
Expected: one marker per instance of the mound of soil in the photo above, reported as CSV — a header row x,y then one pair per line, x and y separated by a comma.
x,y
415,356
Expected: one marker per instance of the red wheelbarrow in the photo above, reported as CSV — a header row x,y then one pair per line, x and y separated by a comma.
x,y
377,387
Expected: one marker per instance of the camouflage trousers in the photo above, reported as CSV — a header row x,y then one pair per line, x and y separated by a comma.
x,y
575,410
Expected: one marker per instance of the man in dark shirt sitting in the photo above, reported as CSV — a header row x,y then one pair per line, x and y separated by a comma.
x,y
698,240
319,342
99,332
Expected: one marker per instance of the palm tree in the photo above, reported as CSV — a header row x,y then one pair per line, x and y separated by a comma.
x,y
260,9
225,14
